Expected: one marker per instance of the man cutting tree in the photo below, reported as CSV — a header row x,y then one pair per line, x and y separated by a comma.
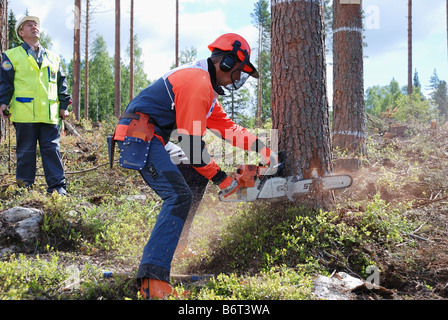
x,y
181,105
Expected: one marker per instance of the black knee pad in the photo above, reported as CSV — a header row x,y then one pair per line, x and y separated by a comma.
x,y
184,195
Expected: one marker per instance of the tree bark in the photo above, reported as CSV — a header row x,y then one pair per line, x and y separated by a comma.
x,y
259,88
299,96
3,26
3,48
86,68
177,35
131,54
348,80
77,61
409,47
117,109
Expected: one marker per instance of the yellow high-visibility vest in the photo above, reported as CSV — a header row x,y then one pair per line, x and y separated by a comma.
x,y
35,98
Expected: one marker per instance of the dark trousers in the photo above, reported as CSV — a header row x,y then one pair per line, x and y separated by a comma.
x,y
165,179
181,188
48,136
197,184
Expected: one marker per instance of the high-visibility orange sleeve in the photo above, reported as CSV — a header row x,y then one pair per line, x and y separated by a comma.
x,y
193,99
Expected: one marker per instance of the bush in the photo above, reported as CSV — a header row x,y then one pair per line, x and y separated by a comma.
x,y
275,284
22,277
414,108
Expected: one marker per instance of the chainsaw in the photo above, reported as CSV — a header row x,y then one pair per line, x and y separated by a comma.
x,y
257,182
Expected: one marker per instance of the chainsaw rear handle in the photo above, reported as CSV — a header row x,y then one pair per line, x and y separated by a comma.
x,y
281,162
276,170
225,199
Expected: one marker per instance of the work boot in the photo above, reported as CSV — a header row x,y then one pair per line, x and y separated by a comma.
x,y
158,289
153,288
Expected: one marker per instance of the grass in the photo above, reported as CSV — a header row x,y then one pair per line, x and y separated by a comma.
x,y
274,284
260,251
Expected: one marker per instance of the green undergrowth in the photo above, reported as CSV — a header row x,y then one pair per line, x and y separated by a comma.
x,y
58,276
274,284
260,237
255,251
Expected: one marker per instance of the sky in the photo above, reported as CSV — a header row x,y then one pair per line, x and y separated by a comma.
x,y
202,21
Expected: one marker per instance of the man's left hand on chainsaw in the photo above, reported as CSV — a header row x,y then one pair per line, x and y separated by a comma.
x,y
228,186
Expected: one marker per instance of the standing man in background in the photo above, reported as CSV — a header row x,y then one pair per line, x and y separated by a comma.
x,y
33,83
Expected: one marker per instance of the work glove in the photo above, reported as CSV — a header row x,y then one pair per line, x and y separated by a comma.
x,y
228,186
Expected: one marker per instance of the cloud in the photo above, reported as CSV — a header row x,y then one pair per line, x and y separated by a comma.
x,y
387,46
200,22
196,29
158,37
40,10
392,22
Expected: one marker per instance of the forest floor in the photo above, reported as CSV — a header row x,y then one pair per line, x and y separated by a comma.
x,y
402,188
409,170
394,216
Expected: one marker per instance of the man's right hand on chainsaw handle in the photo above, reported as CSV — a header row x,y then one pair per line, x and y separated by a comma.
x,y
228,186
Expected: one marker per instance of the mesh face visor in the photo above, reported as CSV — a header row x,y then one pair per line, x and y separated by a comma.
x,y
239,78
240,75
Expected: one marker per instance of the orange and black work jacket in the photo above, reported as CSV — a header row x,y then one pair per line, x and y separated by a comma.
x,y
186,100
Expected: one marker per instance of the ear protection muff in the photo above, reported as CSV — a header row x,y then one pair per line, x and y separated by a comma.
x,y
230,59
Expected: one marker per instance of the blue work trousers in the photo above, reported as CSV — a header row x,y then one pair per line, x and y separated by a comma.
x,y
48,136
164,177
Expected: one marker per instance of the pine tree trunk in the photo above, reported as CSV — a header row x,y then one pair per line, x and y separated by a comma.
x,y
348,83
409,47
177,34
117,107
3,48
131,54
77,61
259,88
86,64
3,26
299,97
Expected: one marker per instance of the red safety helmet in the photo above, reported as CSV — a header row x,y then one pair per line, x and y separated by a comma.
x,y
233,47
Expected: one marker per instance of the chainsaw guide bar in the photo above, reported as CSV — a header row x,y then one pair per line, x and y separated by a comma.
x,y
265,188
